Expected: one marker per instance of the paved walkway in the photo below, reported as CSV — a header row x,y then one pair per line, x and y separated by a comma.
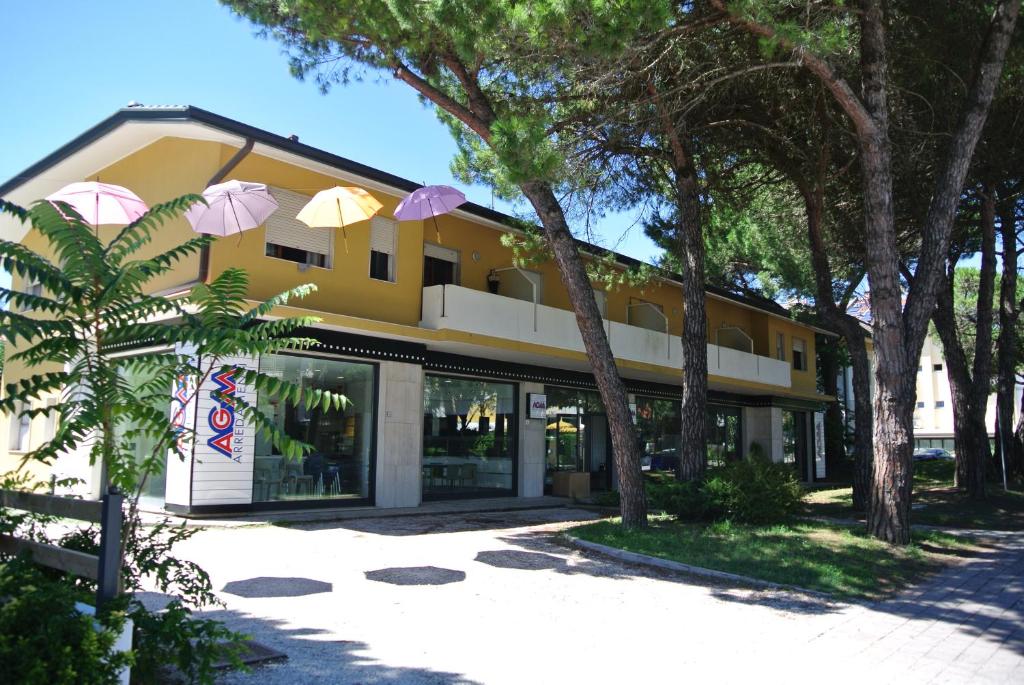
x,y
495,598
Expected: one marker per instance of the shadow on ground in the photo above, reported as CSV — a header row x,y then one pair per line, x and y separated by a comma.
x,y
416,575
265,586
313,659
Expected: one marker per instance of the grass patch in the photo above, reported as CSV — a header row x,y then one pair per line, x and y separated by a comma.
x,y
834,559
935,502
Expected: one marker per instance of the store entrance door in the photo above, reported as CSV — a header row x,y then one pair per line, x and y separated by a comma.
x,y
597,451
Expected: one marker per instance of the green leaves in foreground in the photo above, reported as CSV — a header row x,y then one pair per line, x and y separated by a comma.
x,y
103,354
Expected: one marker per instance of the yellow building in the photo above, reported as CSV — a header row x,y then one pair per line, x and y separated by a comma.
x,y
466,375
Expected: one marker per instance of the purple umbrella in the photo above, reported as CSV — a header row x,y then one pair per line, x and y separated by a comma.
x,y
231,207
429,202
101,203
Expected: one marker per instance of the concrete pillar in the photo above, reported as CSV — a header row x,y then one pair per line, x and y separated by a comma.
x,y
531,445
763,425
399,435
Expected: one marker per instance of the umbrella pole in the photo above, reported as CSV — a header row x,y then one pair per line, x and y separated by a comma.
x,y
341,220
234,214
437,231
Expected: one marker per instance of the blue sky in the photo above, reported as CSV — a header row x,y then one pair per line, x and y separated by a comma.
x,y
71,64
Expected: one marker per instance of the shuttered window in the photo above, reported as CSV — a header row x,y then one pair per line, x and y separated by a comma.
x,y
799,354
383,238
288,238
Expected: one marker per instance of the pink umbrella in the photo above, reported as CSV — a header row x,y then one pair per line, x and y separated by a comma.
x,y
231,207
101,203
429,202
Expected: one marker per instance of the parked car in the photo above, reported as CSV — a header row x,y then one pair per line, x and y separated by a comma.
x,y
662,460
931,454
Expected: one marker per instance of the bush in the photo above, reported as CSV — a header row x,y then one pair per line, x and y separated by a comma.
x,y
43,637
754,490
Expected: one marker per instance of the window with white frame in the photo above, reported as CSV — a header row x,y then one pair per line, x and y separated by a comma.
x,y
52,419
290,239
383,239
21,427
780,346
602,302
799,354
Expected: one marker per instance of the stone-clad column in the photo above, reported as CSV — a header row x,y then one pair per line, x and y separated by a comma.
x,y
531,445
399,435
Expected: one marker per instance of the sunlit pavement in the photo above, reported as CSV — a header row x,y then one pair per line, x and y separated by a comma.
x,y
496,598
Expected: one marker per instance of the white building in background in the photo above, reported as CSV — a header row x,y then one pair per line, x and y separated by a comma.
x,y
933,414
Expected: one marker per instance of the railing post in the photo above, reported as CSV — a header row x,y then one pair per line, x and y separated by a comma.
x,y
109,581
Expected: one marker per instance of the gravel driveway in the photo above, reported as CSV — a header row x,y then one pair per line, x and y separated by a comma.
x,y
495,598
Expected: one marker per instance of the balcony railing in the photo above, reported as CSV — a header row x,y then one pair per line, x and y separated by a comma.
x,y
456,308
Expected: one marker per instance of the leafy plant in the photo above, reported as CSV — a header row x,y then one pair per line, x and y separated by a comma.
x,y
96,305
45,640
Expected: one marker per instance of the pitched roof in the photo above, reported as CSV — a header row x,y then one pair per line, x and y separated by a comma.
x,y
190,114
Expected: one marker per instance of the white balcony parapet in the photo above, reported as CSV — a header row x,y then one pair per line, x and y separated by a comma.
x,y
456,308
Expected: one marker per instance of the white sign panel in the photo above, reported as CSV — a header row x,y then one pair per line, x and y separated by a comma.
x,y
819,444
538,405
224,444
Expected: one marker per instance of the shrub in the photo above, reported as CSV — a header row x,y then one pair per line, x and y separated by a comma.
x,y
686,501
754,490
43,637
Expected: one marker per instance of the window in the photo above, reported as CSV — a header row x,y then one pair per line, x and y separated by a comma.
x,y
940,404
937,367
724,435
290,239
601,297
339,465
21,427
382,248
35,289
659,426
780,346
52,420
468,437
920,405
440,265
799,354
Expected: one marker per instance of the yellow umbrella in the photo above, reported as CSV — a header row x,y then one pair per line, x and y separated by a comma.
x,y
338,207
562,426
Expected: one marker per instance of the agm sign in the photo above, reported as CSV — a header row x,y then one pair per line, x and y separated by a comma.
x,y
223,419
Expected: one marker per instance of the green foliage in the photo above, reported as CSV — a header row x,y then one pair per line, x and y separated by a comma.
x,y
96,303
44,639
752,490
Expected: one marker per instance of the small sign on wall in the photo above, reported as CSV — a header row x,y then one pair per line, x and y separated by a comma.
x,y
537,405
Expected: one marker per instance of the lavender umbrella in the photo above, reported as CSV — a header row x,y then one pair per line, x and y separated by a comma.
x,y
429,202
101,203
231,207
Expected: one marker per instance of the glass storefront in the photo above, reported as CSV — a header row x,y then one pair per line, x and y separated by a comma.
x,y
143,447
725,434
576,436
794,441
468,437
659,425
339,465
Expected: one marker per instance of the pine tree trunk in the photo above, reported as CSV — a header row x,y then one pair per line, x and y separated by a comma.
x,y
693,453
625,446
1009,311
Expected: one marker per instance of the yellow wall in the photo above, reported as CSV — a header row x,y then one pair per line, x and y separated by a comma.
x,y
173,166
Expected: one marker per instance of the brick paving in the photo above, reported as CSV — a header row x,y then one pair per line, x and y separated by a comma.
x,y
496,598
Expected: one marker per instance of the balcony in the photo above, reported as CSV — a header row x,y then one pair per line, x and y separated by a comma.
x,y
450,307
